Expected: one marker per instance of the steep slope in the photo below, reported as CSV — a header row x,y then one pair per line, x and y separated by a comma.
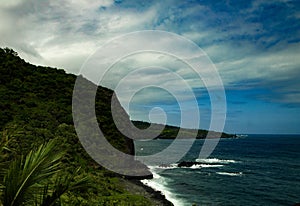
x,y
39,99
36,106
170,132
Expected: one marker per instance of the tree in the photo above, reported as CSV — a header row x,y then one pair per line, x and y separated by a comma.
x,y
29,179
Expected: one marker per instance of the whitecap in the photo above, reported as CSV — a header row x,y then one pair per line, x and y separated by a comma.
x,y
195,167
159,183
171,166
215,160
230,173
199,166
207,165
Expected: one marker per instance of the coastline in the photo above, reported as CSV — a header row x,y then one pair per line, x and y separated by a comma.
x,y
135,186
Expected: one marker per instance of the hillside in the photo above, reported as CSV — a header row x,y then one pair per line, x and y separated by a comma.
x,y
170,132
36,107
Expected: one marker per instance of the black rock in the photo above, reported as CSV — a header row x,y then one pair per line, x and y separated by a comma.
x,y
187,164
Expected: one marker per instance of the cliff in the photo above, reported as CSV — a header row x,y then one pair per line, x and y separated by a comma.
x,y
36,106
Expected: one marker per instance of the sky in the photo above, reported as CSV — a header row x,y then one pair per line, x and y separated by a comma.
x,y
254,46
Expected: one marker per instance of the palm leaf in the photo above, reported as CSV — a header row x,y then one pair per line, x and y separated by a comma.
x,y
3,158
24,174
63,185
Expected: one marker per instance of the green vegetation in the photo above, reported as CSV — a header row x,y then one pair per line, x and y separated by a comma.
x,y
171,132
41,159
27,180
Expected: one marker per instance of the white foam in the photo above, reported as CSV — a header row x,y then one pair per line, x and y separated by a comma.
x,y
195,167
171,166
174,166
199,166
215,160
206,165
230,173
158,183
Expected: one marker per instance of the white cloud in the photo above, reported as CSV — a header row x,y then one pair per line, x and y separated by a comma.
x,y
9,4
269,65
64,33
83,6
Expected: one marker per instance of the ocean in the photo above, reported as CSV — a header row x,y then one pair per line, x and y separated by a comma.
x,y
252,170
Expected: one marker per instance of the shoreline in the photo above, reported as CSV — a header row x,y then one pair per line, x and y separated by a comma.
x,y
135,186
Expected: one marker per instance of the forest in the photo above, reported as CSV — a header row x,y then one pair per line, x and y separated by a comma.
x,y
42,160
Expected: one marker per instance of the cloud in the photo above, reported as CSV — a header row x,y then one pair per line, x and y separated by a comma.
x,y
56,33
253,44
155,70
276,70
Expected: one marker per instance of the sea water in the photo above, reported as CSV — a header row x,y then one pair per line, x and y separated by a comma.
x,y
253,170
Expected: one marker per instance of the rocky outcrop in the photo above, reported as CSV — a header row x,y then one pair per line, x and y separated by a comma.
x,y
188,164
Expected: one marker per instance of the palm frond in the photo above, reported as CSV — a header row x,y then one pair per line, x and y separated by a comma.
x,y
4,141
63,185
24,174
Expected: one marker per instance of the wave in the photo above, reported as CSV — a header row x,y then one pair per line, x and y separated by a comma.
x,y
175,166
170,166
199,166
230,173
159,183
207,165
215,160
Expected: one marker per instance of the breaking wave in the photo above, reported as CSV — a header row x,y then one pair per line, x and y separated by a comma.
x,y
215,160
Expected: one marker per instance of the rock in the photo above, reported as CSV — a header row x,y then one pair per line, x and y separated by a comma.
x,y
187,164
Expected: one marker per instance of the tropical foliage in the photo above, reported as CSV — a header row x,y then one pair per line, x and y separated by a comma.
x,y
40,154
27,180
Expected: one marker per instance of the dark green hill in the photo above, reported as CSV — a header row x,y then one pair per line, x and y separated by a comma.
x,y
36,106
171,132
37,101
